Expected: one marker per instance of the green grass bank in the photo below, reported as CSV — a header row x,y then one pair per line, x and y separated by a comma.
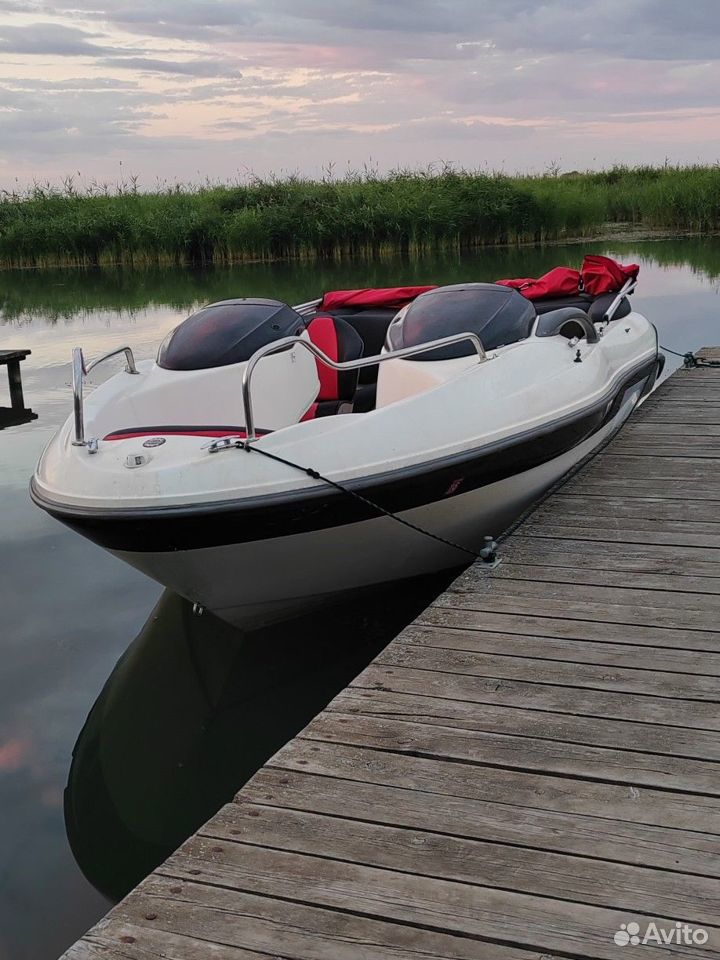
x,y
360,215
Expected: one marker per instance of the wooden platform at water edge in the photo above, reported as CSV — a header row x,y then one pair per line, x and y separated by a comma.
x,y
528,767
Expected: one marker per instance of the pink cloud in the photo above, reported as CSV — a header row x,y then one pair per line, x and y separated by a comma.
x,y
13,752
289,56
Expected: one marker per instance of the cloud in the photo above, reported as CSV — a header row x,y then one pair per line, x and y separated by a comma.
x,y
72,120
49,38
57,40
197,13
13,753
187,68
35,84
271,83
638,29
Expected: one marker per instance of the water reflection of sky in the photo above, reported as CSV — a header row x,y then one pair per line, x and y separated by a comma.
x,y
69,609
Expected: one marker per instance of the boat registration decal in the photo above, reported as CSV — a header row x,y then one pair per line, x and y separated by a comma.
x,y
454,486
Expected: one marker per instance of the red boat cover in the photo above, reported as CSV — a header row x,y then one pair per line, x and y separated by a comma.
x,y
603,275
558,282
391,297
598,275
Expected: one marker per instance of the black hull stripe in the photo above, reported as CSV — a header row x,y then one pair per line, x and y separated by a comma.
x,y
158,530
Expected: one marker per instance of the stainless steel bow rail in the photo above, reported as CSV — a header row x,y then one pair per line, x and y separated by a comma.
x,y
286,342
80,370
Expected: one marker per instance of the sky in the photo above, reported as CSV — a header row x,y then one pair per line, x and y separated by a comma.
x,y
165,91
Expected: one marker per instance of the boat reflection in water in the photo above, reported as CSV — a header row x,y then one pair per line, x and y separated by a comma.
x,y
194,707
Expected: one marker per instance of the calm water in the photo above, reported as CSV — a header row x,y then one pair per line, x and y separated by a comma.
x,y
192,707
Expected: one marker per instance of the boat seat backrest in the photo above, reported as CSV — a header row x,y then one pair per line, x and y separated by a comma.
x,y
372,324
595,307
568,322
339,341
600,304
548,304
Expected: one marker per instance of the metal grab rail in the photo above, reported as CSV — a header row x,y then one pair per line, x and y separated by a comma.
x,y
307,308
79,370
626,289
286,342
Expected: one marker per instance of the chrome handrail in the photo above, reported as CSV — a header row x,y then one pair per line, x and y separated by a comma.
x,y
287,342
79,370
627,288
310,306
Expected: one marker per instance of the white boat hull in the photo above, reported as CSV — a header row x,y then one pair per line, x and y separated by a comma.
x,y
255,583
458,445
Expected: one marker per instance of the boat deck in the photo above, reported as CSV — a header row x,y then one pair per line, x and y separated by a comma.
x,y
530,765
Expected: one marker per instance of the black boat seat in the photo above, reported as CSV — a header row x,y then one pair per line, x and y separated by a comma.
x,y
371,324
595,307
567,322
365,397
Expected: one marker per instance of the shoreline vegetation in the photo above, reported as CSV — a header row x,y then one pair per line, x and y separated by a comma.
x,y
362,214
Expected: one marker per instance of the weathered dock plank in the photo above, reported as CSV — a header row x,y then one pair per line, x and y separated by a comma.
x,y
449,857
532,763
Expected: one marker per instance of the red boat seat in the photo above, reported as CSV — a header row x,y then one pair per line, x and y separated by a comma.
x,y
369,312
339,341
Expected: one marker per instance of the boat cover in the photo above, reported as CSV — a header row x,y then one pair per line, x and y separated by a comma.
x,y
558,282
597,275
391,297
604,275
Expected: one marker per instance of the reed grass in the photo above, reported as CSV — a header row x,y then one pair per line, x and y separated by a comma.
x,y
362,214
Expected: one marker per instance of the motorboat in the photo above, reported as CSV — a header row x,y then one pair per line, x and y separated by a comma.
x,y
271,457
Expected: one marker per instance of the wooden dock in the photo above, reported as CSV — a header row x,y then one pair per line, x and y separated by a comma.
x,y
529,766
12,360
17,412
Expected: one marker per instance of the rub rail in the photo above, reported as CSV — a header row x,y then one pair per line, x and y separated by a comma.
x,y
286,342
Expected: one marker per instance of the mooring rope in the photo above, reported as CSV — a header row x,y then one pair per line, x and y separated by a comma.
x,y
689,358
487,554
